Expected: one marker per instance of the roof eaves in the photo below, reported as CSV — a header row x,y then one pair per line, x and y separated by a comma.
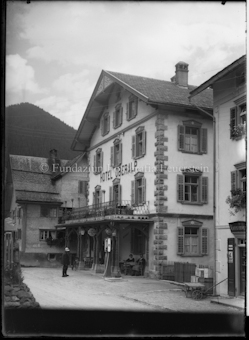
x,y
217,76
128,87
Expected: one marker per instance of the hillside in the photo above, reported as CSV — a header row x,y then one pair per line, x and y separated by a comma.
x,y
31,131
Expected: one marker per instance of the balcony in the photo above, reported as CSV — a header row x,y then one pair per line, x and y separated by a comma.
x,y
106,209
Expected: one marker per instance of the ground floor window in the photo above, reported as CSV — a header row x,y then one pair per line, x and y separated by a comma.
x,y
45,234
192,239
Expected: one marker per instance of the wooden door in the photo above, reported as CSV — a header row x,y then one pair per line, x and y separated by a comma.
x,y
231,266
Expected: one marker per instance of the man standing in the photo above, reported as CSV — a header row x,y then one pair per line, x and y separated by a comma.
x,y
65,262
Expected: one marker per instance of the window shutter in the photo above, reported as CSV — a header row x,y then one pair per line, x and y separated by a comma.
x,y
108,124
114,119
233,120
133,148
204,241
204,189
110,194
84,189
112,156
143,190
181,136
136,106
93,198
143,142
119,193
94,164
180,188
180,240
100,196
127,111
120,154
234,179
204,140
121,115
132,192
102,125
101,161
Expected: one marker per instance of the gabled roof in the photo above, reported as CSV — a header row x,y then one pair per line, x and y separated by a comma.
x,y
217,76
151,91
69,164
32,179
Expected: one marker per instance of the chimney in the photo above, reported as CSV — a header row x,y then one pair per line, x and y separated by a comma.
x,y
181,75
53,161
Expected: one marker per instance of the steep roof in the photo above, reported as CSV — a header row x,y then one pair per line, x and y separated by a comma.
x,y
32,179
163,92
151,91
217,76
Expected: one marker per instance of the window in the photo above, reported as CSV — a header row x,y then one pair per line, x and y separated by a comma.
x,y
238,178
47,211
44,234
117,116
19,234
105,124
192,239
138,241
97,195
237,120
131,108
192,138
98,161
192,187
138,189
83,187
139,143
115,191
116,153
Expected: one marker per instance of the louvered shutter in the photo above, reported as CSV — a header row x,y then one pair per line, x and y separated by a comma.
x,y
180,240
133,146
112,156
93,198
110,194
121,115
204,241
234,179
136,106
119,194
101,161
102,125
100,196
84,188
94,164
132,192
120,154
233,120
114,120
108,124
143,142
80,187
180,188
127,111
204,189
143,190
181,137
204,140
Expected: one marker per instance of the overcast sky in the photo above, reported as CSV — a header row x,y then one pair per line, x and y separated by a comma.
x,y
55,51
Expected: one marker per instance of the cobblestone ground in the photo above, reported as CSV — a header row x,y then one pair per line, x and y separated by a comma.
x,y
82,289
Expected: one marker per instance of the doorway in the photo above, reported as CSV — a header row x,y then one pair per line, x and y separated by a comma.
x,y
242,256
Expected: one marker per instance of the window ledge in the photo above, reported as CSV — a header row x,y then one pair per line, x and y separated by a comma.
x,y
117,126
189,203
137,157
193,153
183,255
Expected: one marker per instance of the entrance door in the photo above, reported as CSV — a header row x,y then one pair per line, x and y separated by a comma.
x,y
231,266
242,270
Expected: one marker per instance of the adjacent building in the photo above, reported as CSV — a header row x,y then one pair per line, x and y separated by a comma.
x,y
42,190
150,189
229,89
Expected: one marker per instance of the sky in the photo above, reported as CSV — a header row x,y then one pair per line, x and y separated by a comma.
x,y
56,50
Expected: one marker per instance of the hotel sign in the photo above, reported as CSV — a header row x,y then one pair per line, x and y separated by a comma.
x,y
118,171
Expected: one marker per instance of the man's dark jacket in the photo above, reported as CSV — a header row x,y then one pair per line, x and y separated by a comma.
x,y
65,259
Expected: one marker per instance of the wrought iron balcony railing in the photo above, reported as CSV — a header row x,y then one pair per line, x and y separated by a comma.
x,y
106,209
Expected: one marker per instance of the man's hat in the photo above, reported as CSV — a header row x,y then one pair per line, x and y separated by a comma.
x,y
67,249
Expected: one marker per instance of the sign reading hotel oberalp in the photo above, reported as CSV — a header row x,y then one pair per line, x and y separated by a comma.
x,y
118,171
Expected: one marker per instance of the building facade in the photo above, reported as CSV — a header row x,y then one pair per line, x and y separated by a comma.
x,y
42,190
150,176
229,87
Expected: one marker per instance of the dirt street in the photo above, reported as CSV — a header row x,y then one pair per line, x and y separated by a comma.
x,y
84,290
